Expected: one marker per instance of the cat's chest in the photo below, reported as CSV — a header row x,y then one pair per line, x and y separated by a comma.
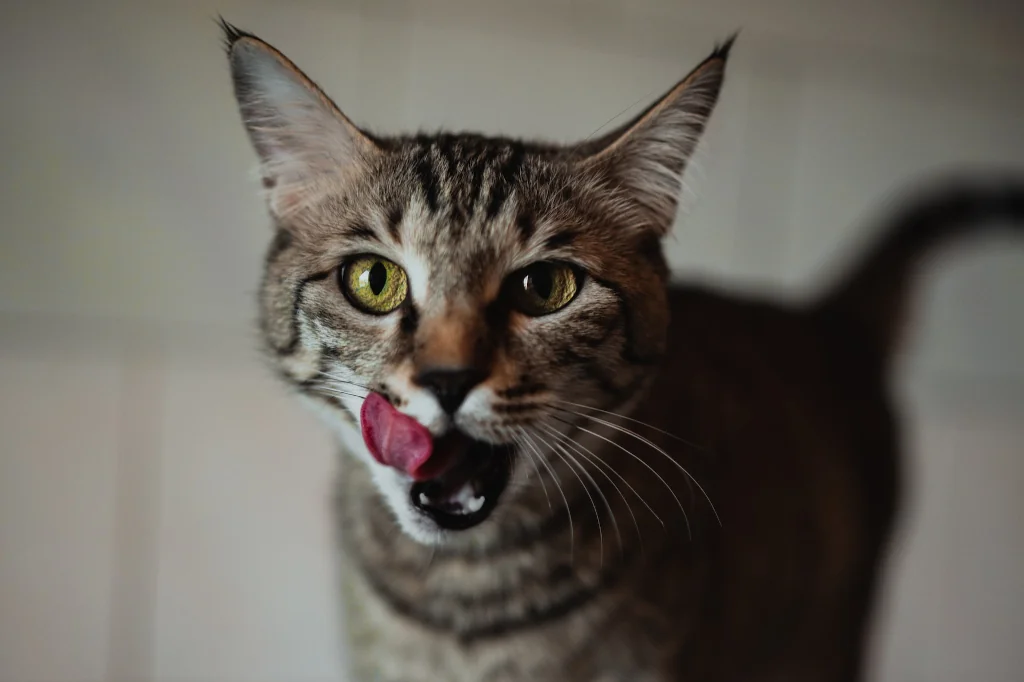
x,y
388,647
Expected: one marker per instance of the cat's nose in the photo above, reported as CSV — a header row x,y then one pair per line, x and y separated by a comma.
x,y
450,386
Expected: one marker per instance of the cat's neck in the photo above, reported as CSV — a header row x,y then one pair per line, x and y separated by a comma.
x,y
464,588
554,558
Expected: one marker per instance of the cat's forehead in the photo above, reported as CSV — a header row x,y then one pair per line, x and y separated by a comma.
x,y
469,179
463,206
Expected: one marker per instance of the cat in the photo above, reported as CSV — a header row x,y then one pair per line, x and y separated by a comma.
x,y
488,326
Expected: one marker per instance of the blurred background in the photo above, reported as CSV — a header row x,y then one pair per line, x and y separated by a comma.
x,y
164,504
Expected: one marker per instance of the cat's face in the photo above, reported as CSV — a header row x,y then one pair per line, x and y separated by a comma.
x,y
484,287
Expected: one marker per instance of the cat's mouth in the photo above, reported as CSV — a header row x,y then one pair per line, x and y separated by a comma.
x,y
466,493
457,479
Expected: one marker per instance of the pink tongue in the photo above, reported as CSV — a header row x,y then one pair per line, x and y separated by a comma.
x,y
394,439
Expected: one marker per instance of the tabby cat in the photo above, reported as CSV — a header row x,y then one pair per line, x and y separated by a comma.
x,y
488,326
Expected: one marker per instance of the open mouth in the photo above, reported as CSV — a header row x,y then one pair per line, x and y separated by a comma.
x,y
465,494
458,480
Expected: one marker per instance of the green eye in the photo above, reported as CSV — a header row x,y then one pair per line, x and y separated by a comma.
x,y
373,284
543,288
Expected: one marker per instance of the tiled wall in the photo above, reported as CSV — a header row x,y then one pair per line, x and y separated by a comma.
x,y
163,503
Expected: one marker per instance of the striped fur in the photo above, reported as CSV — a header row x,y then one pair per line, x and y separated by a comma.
x,y
604,559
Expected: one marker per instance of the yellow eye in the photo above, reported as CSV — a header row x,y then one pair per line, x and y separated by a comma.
x,y
373,284
543,288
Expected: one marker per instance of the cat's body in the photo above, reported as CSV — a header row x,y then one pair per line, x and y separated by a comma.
x,y
797,450
558,466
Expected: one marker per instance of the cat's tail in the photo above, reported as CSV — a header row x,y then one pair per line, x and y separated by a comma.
x,y
871,299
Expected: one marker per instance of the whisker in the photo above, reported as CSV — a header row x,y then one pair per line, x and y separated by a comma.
x,y
608,122
658,448
529,456
601,464
588,138
572,531
622,429
611,512
342,380
593,504
330,390
672,492
433,550
696,446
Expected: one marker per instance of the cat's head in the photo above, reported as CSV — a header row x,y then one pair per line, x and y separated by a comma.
x,y
481,286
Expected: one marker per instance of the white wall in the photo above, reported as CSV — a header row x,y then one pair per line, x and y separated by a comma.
x,y
163,504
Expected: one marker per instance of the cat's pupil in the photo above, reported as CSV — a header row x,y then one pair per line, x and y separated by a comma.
x,y
378,278
540,282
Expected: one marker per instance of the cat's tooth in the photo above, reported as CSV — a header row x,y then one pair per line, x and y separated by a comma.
x,y
475,504
464,494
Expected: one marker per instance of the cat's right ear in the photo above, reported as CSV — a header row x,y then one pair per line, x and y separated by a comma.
x,y
305,143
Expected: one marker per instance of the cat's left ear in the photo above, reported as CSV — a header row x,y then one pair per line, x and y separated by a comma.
x,y
644,159
306,145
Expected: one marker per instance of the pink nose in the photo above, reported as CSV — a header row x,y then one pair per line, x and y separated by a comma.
x,y
394,439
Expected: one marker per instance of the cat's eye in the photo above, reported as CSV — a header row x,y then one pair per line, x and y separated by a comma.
x,y
543,288
373,284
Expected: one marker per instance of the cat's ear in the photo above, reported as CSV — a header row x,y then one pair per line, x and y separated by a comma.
x,y
305,143
644,159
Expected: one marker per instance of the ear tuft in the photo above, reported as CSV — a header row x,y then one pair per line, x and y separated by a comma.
x,y
723,49
232,33
644,159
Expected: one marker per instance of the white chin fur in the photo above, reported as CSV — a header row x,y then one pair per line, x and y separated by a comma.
x,y
391,485
394,488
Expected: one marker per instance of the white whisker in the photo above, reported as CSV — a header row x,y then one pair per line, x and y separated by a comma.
x,y
657,448
601,464
600,492
672,492
593,504
696,446
529,456
568,511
